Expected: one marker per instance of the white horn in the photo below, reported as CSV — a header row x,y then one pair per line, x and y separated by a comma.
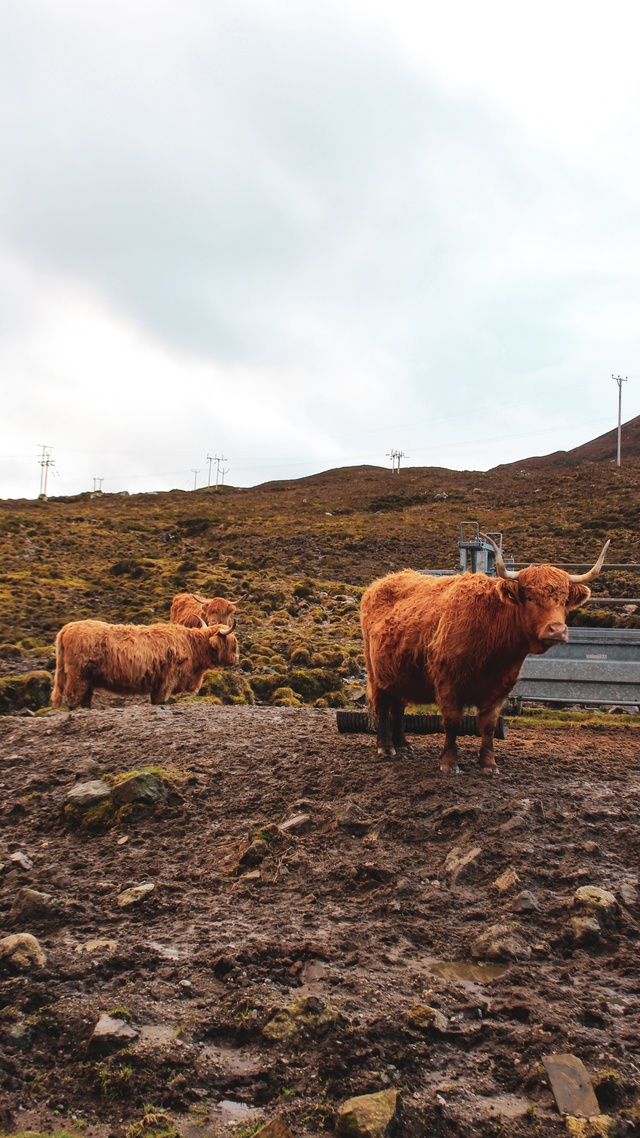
x,y
508,574
577,577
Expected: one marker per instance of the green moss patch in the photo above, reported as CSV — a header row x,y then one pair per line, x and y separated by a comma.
x,y
31,691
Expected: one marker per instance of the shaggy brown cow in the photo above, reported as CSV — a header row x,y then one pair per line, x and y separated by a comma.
x,y
193,611
460,641
156,659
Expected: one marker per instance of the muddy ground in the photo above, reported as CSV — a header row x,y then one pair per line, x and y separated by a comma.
x,y
341,923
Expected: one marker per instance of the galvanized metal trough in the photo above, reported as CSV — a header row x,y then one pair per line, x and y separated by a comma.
x,y
597,666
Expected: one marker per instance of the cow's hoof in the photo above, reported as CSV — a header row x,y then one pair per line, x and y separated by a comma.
x,y
405,749
493,769
449,768
387,752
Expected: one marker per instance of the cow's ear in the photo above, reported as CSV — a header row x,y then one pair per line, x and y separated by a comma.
x,y
508,591
578,594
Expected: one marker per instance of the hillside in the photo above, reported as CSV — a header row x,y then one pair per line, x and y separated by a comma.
x,y
601,449
298,553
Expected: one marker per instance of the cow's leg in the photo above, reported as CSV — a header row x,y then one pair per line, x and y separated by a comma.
x,y
77,691
398,736
487,721
160,692
381,705
449,756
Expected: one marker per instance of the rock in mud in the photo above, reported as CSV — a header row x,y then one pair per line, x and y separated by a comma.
x,y
275,1128
584,931
146,788
353,819
367,1116
21,859
21,950
129,898
458,864
30,904
571,1085
85,794
500,942
299,824
308,1015
599,1126
91,946
110,1034
591,897
421,1015
525,902
507,880
254,854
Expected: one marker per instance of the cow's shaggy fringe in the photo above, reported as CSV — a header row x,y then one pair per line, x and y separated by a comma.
x,y
191,610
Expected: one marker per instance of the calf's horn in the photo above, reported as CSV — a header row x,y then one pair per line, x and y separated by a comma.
x,y
502,571
203,623
596,568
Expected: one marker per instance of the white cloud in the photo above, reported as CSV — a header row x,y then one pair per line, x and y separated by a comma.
x,y
358,226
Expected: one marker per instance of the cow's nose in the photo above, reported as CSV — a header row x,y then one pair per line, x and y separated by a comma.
x,y
556,631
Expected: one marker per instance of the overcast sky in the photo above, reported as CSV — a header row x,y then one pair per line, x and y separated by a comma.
x,y
299,234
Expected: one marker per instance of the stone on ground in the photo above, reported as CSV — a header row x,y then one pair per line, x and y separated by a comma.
x,y
571,1085
500,942
85,794
459,864
111,1033
507,880
145,787
275,1128
31,904
129,898
591,897
421,1015
23,951
367,1116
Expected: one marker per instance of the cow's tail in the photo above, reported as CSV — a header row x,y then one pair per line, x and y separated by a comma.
x,y
59,683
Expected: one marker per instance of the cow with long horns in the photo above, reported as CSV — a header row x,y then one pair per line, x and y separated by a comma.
x,y
193,611
460,641
158,660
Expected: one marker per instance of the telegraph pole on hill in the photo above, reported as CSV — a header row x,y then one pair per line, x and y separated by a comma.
x,y
195,478
396,456
45,462
210,459
620,379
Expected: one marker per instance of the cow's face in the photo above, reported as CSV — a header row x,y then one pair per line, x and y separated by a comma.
x,y
218,611
224,647
544,595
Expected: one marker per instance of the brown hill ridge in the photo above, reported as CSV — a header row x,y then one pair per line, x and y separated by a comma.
x,y
596,450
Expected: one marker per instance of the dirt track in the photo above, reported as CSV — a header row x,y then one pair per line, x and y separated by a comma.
x,y
344,921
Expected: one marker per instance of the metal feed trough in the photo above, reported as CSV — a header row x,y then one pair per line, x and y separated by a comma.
x,y
597,666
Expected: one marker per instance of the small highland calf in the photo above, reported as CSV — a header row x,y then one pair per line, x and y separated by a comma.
x,y
193,611
156,659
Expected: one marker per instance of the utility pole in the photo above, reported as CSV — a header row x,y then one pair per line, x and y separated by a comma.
x,y
45,462
223,472
210,459
195,478
619,380
395,456
218,458
97,485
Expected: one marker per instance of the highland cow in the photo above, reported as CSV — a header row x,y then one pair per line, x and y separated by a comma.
x,y
193,611
460,641
158,660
